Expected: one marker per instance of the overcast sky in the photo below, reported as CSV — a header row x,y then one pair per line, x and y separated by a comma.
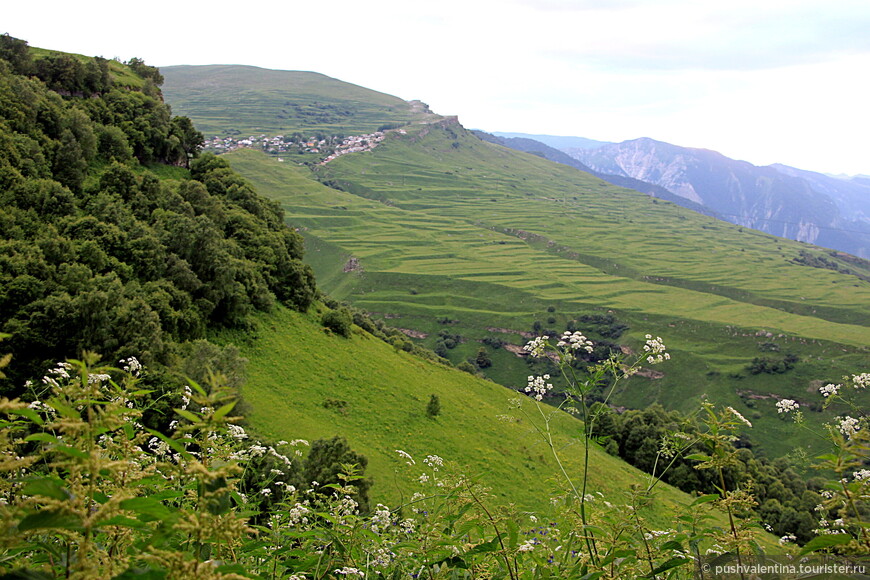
x,y
766,81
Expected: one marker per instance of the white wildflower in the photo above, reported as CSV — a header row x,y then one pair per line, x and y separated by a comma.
x,y
381,519
863,474
98,378
738,415
829,390
527,546
434,462
848,426
786,406
298,514
575,341
348,571
407,526
537,346
407,456
656,349
185,398
237,431
131,365
538,386
861,381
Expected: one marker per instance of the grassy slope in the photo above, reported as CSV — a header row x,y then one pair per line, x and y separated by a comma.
x,y
255,100
441,250
295,366
441,224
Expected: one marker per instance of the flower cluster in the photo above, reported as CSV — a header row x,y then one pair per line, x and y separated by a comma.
x,y
829,390
787,406
656,350
575,341
539,386
848,426
861,381
131,365
434,461
381,519
537,346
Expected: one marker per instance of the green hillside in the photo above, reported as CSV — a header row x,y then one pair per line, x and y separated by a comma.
x,y
443,226
295,369
232,99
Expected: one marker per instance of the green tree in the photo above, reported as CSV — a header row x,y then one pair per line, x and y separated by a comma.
x,y
188,142
338,321
328,459
433,408
482,359
16,53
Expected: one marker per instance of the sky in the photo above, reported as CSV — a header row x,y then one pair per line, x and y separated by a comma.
x,y
765,81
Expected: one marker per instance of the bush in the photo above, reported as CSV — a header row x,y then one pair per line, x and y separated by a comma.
x,y
433,409
338,321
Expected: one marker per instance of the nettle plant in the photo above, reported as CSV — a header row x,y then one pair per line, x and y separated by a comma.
x,y
86,491
844,514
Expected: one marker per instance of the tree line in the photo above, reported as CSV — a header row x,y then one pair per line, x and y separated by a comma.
x,y
98,250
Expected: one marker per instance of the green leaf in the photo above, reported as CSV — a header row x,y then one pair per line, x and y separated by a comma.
x,y
672,545
672,563
121,521
67,412
46,487
513,531
141,574
826,541
28,413
490,546
50,519
222,412
148,509
197,388
188,415
72,451
44,437
698,457
705,499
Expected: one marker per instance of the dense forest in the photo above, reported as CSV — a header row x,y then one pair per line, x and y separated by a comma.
x,y
110,244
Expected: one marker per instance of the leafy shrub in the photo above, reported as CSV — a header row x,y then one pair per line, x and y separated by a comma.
x,y
433,408
338,321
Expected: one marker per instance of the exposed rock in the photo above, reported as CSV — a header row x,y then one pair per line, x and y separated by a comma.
x,y
352,265
412,333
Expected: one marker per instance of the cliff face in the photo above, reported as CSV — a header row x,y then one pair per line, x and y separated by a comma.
x,y
783,203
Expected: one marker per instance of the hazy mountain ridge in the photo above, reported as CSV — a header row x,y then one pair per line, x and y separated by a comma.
x,y
542,149
787,202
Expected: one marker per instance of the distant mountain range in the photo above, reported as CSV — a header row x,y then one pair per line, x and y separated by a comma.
x,y
833,212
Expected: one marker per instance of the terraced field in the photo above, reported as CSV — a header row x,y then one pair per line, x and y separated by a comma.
x,y
445,227
438,232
